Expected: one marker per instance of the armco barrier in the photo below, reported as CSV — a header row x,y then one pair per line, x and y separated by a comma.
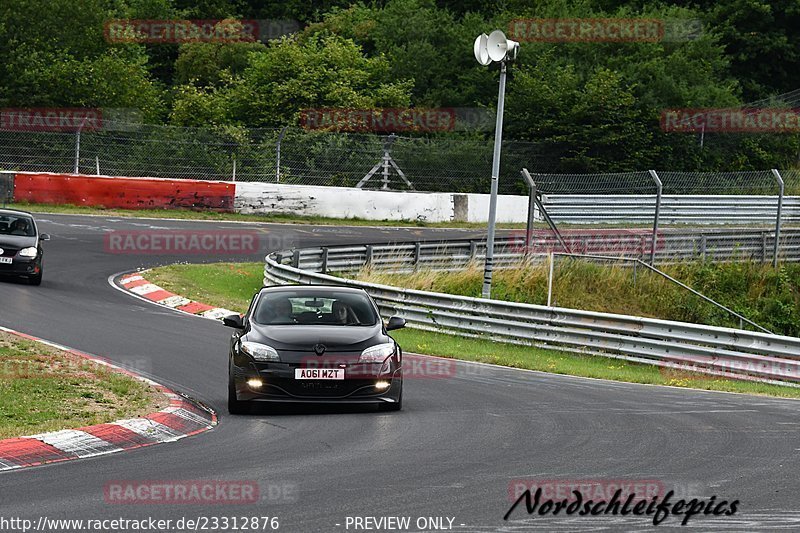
x,y
675,209
126,193
673,245
708,349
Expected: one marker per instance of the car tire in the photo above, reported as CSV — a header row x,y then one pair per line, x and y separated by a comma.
x,y
236,407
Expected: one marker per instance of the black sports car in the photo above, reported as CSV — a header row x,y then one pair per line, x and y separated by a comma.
x,y
314,344
20,246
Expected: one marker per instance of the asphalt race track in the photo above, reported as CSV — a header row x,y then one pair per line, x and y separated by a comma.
x,y
452,452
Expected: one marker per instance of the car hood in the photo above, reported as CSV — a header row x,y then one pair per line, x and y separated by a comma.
x,y
17,241
303,338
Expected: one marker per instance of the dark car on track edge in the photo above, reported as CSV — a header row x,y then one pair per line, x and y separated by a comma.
x,y
21,250
313,344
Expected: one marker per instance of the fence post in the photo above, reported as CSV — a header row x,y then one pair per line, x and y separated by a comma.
x,y
97,165
775,248
550,280
233,178
531,208
77,151
78,146
659,189
278,156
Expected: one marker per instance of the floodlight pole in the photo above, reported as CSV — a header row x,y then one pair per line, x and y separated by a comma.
x,y
498,139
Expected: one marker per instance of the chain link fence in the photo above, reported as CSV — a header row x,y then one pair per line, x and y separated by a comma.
x,y
288,155
762,203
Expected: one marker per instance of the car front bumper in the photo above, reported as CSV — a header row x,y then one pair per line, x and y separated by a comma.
x,y
21,266
280,385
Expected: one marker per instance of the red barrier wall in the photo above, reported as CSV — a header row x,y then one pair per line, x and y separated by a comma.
x,y
125,193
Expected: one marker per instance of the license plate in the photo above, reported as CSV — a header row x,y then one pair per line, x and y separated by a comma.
x,y
319,373
5,260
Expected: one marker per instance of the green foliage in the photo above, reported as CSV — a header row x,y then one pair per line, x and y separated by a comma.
x,y
592,106
322,71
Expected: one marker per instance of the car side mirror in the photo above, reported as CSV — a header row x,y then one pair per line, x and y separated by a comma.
x,y
395,322
44,237
233,321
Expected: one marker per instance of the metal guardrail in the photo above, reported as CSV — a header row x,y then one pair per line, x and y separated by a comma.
x,y
708,349
675,209
673,246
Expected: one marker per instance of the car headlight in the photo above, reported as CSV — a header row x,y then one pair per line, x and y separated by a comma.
x,y
260,352
31,251
377,354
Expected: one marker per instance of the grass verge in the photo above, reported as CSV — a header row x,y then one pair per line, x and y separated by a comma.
x,y
766,295
44,389
190,214
231,285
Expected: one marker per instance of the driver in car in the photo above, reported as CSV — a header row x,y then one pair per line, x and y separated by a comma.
x,y
281,311
341,312
19,227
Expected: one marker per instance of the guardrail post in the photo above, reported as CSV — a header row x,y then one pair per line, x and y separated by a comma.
x,y
368,255
324,267
473,250
659,189
763,247
279,258
781,187
296,258
417,250
703,246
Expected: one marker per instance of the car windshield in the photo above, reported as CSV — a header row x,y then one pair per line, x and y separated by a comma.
x,y
325,307
17,225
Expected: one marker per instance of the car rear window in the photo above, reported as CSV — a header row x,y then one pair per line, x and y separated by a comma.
x,y
329,308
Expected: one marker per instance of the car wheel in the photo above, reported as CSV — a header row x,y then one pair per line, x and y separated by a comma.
x,y
235,407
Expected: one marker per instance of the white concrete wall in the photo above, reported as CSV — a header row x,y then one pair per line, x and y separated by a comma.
x,y
341,202
509,208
